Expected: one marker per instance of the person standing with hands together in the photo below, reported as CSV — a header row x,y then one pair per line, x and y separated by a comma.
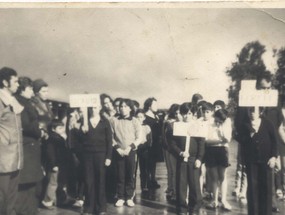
x,y
97,153
127,132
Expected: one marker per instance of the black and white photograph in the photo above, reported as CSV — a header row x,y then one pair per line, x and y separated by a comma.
x,y
142,108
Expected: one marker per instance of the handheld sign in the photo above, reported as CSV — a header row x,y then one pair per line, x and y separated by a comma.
x,y
84,101
250,97
188,130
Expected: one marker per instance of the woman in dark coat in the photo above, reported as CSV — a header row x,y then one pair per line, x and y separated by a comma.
x,y
31,174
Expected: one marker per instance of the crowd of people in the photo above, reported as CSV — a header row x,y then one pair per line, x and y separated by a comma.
x,y
48,161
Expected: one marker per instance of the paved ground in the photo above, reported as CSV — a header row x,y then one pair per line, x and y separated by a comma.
x,y
155,202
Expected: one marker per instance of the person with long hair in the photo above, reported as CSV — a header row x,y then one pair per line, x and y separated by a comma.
x,y
170,159
152,120
127,133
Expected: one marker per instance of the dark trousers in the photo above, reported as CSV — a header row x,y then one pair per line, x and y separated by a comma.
x,y
28,199
143,165
125,175
259,190
95,193
188,175
8,192
111,179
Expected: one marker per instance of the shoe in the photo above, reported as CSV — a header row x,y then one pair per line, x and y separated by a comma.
x,y
275,210
120,203
48,205
130,203
226,206
279,194
212,206
154,185
78,203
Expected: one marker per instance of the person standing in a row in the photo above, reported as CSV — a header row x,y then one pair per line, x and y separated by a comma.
x,y
152,120
11,145
97,150
32,173
127,133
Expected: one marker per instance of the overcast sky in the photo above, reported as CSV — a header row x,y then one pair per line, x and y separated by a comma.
x,y
135,53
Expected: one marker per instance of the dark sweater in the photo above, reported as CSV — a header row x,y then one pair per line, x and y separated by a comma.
x,y
57,152
99,139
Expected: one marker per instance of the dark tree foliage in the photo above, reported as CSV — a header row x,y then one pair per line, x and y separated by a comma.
x,y
280,73
249,66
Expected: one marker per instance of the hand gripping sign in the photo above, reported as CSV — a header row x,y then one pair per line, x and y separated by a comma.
x,y
84,101
188,130
250,97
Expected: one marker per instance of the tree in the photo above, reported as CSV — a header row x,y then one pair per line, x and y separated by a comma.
x,y
280,73
249,66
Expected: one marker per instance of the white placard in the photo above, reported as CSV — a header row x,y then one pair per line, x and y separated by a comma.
x,y
193,129
258,98
84,100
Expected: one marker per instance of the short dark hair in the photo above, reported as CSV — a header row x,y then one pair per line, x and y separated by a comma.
x,y
24,82
196,97
172,111
5,75
129,103
148,102
221,114
207,106
220,103
55,123
188,106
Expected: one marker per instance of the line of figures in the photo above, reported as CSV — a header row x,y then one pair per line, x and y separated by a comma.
x,y
53,161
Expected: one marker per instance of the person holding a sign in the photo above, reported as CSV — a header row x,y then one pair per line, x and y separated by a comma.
x,y
127,133
260,151
97,152
189,160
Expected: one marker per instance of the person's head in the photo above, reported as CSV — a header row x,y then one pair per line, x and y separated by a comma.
x,y
220,116
95,110
57,126
252,115
136,105
200,111
106,102
126,108
140,115
174,112
116,104
219,104
150,105
207,110
264,81
187,111
9,80
25,88
196,98
41,89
